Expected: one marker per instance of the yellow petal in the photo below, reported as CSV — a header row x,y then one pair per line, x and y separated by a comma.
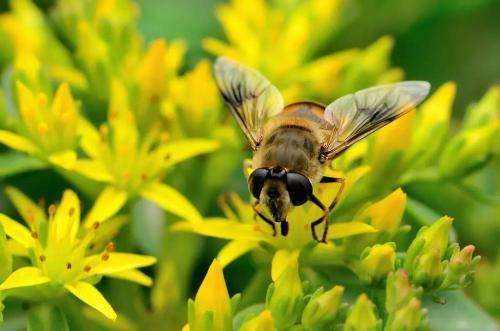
x,y
121,120
90,140
29,211
117,262
64,159
16,231
108,203
212,296
17,142
27,276
16,248
234,250
223,228
133,275
152,73
93,169
341,230
67,218
63,101
386,214
181,150
171,200
281,260
91,296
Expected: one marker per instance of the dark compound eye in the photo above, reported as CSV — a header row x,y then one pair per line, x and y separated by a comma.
x,y
299,188
256,181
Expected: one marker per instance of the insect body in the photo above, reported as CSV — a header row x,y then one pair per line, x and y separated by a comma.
x,y
292,144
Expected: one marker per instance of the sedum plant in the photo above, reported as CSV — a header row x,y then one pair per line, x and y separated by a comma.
x,y
125,123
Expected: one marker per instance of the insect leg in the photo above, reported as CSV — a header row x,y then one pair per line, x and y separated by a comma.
x,y
284,228
322,219
316,201
339,192
264,218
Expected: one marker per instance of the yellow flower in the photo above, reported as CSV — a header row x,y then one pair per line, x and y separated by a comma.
x,y
134,165
200,113
211,309
27,31
280,39
60,253
49,127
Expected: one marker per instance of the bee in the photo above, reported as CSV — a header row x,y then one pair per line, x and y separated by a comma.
x,y
292,144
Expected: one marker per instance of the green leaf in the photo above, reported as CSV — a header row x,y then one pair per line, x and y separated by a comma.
x,y
458,313
12,163
47,318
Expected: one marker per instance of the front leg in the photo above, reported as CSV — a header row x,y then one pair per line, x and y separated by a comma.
x,y
326,211
340,180
264,218
322,219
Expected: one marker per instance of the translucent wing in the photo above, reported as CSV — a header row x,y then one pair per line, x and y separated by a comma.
x,y
355,116
250,96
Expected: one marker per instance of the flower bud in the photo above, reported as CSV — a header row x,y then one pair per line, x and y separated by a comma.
x,y
377,262
408,318
423,257
362,316
468,150
322,307
285,296
460,268
211,309
399,291
262,322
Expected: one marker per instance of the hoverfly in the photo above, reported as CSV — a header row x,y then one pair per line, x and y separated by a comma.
x,y
293,143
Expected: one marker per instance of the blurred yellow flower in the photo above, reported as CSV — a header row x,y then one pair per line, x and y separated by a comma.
x,y
59,251
280,39
49,127
132,164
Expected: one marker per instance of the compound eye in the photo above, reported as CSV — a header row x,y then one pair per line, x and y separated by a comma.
x,y
256,181
299,188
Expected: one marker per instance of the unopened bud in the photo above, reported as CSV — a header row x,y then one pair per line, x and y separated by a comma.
x,y
377,262
362,316
322,307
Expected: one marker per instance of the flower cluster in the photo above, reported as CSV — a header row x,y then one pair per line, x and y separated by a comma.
x,y
123,122
62,255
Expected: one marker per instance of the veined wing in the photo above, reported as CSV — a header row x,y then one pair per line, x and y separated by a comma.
x,y
355,116
251,98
